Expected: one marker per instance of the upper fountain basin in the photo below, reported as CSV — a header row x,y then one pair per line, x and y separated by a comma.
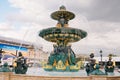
x,y
64,33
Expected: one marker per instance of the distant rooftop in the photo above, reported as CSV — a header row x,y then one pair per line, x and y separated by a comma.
x,y
117,59
16,42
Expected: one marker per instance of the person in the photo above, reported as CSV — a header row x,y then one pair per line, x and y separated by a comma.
x,y
21,66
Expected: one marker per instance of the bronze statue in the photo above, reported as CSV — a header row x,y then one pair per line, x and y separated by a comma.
x,y
92,62
93,68
1,54
87,69
21,66
5,68
109,66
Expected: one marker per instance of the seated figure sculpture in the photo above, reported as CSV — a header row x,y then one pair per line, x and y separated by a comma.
x,y
21,66
87,69
97,70
92,62
5,68
93,68
109,67
90,66
1,54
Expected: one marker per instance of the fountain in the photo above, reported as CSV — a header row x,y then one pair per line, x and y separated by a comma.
x,y
63,57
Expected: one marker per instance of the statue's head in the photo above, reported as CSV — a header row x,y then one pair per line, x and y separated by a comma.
x,y
19,54
1,51
110,59
5,64
92,55
62,8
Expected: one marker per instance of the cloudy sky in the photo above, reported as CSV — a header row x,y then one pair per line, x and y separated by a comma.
x,y
23,19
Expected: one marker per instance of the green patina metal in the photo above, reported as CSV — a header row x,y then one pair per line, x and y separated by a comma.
x,y
5,68
110,65
93,68
21,65
62,58
54,34
97,71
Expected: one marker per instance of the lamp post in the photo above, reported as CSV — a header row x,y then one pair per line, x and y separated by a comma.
x,y
101,56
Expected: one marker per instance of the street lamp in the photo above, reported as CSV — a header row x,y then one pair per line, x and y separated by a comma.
x,y
101,56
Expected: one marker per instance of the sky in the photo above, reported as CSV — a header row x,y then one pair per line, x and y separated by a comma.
x,y
23,19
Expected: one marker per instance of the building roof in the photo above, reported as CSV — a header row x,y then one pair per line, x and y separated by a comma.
x,y
16,42
117,59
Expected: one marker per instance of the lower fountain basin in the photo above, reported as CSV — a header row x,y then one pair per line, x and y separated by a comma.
x,y
80,73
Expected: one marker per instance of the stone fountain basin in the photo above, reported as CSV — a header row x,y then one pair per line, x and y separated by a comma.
x,y
70,34
81,73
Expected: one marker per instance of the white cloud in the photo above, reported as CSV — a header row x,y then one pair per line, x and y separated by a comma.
x,y
5,26
39,10
101,35
34,15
